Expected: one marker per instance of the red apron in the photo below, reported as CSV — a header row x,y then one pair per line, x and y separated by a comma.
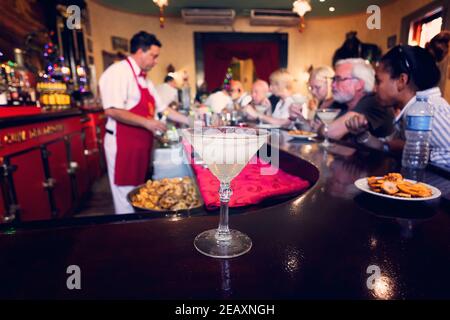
x,y
134,144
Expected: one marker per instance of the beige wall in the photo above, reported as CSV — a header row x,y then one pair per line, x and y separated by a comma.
x,y
391,19
315,46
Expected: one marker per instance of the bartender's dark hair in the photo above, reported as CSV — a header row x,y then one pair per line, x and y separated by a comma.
x,y
143,40
414,61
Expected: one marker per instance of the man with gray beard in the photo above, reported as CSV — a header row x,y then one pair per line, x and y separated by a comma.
x,y
352,87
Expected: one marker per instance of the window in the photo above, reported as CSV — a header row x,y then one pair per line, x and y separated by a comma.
x,y
422,30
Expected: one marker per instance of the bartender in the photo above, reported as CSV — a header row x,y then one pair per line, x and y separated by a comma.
x,y
131,104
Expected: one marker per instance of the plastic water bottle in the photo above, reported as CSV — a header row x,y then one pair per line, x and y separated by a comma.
x,y
186,97
419,118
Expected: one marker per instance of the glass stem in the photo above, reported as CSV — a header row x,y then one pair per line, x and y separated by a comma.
x,y
223,232
325,132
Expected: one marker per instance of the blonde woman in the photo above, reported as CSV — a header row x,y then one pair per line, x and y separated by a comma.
x,y
281,85
319,85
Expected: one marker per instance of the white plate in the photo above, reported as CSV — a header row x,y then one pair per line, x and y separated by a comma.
x,y
268,126
362,185
301,136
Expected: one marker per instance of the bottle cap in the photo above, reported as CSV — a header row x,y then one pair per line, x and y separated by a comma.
x,y
420,96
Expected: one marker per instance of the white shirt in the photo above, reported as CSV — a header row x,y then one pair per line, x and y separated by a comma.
x,y
245,97
218,101
282,108
118,89
167,93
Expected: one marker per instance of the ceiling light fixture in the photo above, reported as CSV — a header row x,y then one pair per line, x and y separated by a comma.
x,y
301,7
161,4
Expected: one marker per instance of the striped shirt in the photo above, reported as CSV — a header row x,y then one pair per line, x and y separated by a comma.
x,y
440,134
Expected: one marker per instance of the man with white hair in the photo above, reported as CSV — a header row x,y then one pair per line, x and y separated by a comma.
x,y
352,87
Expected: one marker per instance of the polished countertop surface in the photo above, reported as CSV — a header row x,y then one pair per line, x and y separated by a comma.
x,y
331,242
23,115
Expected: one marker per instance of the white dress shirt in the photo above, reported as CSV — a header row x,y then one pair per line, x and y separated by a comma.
x,y
167,93
282,108
218,101
118,89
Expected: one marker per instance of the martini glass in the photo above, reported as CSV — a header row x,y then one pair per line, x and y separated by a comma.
x,y
226,151
327,116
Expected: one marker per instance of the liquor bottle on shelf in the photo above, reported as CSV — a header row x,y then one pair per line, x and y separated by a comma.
x,y
3,86
25,79
14,96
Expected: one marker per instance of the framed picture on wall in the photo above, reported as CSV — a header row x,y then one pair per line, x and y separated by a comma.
x,y
120,44
89,45
392,41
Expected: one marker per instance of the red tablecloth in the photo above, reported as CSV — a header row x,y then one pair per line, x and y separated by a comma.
x,y
249,187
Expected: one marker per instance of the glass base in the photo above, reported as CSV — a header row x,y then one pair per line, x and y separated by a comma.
x,y
207,244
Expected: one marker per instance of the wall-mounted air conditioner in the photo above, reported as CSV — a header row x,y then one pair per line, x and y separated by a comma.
x,y
208,16
269,17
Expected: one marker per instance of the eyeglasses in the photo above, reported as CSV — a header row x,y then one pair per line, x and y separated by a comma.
x,y
339,79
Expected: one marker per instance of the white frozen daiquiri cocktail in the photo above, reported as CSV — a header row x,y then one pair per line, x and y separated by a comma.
x,y
327,116
226,151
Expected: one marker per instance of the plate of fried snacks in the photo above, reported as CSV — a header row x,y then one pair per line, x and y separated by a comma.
x,y
166,195
302,134
394,186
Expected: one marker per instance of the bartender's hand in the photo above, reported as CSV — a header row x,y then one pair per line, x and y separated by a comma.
x,y
357,124
155,126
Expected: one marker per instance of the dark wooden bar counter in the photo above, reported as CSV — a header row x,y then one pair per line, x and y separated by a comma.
x,y
324,244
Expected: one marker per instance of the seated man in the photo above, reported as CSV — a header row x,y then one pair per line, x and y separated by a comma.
x,y
352,87
259,103
281,85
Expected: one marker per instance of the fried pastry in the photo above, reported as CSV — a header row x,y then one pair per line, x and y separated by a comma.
x,y
393,184
167,194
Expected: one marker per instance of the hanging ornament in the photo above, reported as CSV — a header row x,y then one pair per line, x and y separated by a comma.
x,y
301,7
161,4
